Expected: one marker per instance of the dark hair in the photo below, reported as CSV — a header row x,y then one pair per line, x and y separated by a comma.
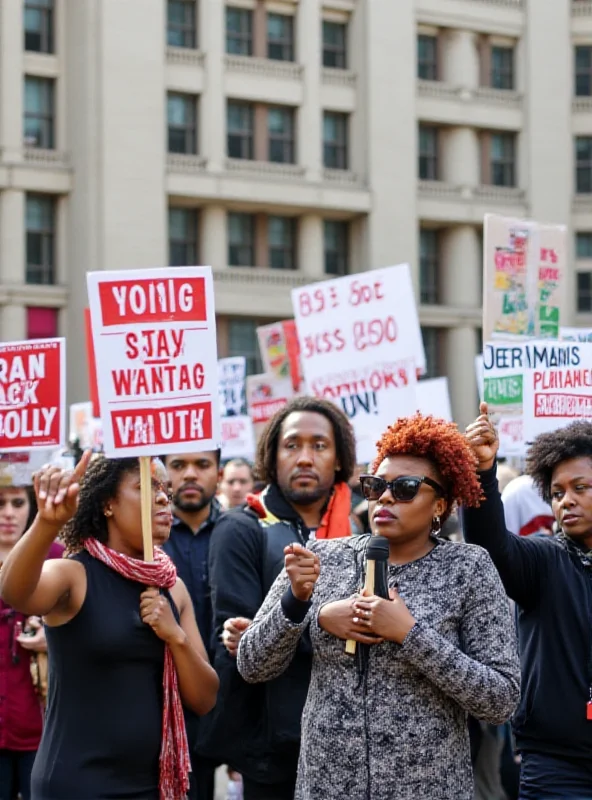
x,y
345,443
445,446
239,462
549,449
32,506
217,456
99,485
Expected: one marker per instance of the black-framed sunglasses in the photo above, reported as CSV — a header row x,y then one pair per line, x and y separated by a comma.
x,y
404,489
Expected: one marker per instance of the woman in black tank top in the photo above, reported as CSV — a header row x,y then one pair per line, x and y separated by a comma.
x,y
121,656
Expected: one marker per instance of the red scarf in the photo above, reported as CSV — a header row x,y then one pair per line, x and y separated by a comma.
x,y
174,752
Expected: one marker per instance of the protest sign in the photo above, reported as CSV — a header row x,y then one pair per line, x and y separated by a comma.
x,y
266,395
238,438
510,431
81,416
361,347
524,278
91,364
503,377
32,394
433,398
155,343
280,351
575,334
231,385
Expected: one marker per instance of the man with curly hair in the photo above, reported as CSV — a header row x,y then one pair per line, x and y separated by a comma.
x,y
394,724
551,582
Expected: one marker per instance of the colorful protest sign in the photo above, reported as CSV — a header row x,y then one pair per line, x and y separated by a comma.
x,y
238,438
433,398
17,468
361,346
32,394
154,335
266,395
524,278
231,385
81,416
503,377
280,351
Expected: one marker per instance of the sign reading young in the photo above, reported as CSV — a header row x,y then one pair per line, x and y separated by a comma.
x,y
155,343
32,394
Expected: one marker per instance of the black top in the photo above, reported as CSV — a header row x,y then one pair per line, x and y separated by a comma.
x,y
553,591
102,732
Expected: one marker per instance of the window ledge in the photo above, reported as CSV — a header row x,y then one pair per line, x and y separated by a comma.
x,y
179,162
343,177
253,276
581,105
581,8
582,202
39,157
500,194
504,3
339,77
439,190
264,169
185,55
266,67
32,294
483,94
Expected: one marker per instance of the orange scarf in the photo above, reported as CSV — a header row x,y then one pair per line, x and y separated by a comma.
x,y
335,523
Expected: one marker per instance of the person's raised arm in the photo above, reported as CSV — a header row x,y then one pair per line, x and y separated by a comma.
x,y
28,582
517,560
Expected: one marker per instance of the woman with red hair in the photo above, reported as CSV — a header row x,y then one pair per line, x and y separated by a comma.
x,y
443,646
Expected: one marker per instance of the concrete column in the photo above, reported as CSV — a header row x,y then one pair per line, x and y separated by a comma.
x,y
310,114
213,100
461,61
459,354
13,323
12,236
311,248
11,79
460,267
214,237
460,156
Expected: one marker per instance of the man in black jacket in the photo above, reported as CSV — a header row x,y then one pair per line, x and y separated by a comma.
x,y
550,579
306,457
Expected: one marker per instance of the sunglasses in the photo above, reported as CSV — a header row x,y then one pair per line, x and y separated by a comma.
x,y
404,489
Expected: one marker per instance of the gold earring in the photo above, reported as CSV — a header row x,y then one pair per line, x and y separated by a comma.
x,y
108,513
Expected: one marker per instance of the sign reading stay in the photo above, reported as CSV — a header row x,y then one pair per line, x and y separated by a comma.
x,y
154,337
32,394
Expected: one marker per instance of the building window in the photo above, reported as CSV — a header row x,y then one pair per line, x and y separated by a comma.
x,y
584,245
40,239
39,114
584,286
428,153
583,71
502,67
38,25
427,57
334,45
281,241
182,123
428,265
336,247
42,323
432,345
502,159
584,164
280,131
181,28
241,240
335,137
239,121
243,341
182,237
239,31
280,37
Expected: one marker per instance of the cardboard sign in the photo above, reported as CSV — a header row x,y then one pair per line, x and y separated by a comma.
x,y
524,269
81,416
32,394
231,386
238,438
280,351
93,389
154,334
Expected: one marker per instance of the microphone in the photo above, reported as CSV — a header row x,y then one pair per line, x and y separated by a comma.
x,y
376,582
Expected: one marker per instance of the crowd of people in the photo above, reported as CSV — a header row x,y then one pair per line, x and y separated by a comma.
x,y
234,647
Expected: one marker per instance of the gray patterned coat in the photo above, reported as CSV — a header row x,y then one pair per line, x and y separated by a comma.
x,y
402,735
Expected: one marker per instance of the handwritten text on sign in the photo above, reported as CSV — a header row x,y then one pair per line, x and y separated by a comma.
x,y
32,394
155,342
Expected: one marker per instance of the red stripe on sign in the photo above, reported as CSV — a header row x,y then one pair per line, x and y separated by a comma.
x,y
93,387
137,427
150,300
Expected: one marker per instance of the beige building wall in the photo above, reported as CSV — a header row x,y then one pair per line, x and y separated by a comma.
x,y
112,180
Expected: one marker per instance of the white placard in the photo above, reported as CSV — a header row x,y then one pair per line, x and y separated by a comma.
x,y
433,398
575,334
154,334
238,438
231,385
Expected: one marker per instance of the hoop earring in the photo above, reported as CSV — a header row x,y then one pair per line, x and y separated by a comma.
x,y
436,526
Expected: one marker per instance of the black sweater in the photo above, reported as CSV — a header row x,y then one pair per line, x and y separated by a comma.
x,y
553,591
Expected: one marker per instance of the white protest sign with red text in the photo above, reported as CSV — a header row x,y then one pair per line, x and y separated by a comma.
x,y
238,438
154,337
32,394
